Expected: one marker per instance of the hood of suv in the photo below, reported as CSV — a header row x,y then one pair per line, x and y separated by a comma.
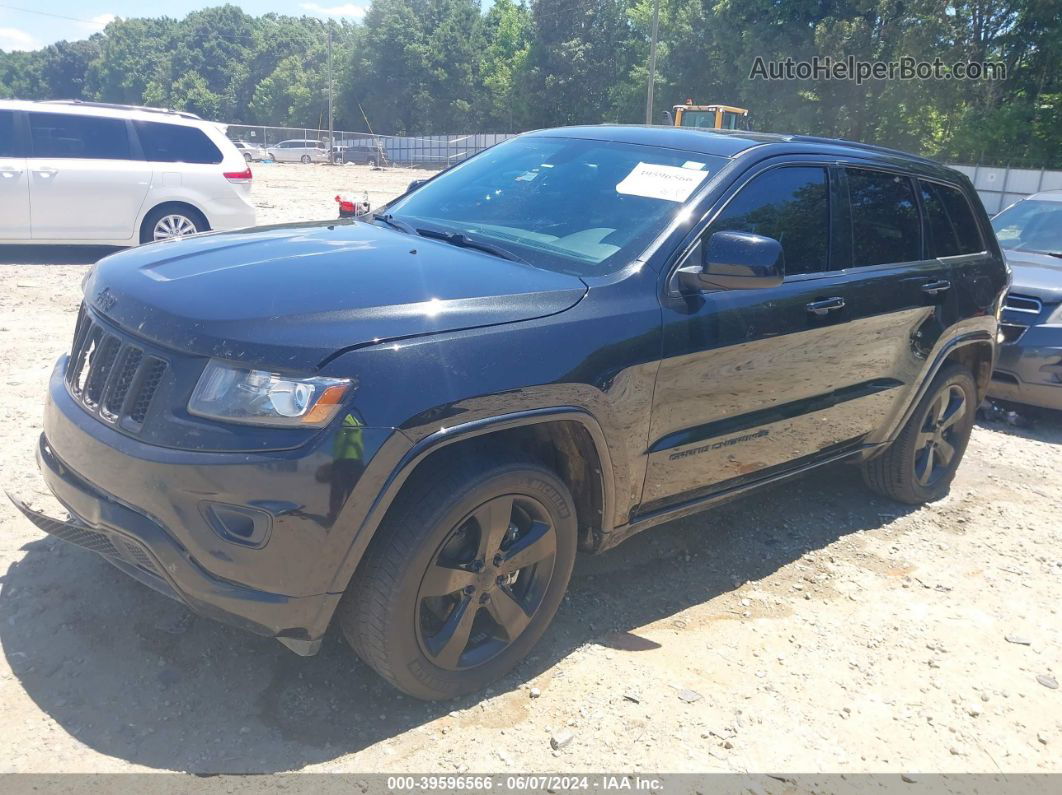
x,y
1034,274
288,297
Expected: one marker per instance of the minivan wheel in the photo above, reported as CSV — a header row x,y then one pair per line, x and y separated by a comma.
x,y
305,158
463,576
247,157
166,222
920,464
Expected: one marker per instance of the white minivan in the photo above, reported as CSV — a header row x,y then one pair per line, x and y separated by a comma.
x,y
116,175
299,150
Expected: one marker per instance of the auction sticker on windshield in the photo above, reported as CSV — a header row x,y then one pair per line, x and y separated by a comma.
x,y
671,183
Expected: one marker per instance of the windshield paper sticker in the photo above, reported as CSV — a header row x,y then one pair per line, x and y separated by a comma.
x,y
671,183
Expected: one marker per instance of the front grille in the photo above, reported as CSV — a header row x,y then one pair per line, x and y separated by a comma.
x,y
1022,303
89,539
115,546
112,377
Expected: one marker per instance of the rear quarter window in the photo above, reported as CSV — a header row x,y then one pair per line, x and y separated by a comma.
x,y
948,215
175,143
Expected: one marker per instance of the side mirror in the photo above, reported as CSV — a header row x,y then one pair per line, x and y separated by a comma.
x,y
668,119
736,261
414,185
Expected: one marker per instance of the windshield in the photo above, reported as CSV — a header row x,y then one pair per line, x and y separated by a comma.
x,y
1031,225
573,205
702,119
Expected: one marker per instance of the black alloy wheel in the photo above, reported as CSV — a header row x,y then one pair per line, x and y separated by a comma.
x,y
464,575
486,582
935,446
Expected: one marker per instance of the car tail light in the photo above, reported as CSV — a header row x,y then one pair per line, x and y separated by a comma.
x,y
239,176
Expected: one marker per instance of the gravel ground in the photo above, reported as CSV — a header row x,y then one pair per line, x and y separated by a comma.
x,y
810,628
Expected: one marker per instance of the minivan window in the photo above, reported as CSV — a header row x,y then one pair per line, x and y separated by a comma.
x,y
175,143
885,224
68,135
792,206
8,148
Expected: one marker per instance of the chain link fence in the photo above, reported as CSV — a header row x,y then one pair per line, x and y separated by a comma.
x,y
432,151
998,187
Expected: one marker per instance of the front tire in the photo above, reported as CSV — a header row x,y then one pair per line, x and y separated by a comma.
x,y
920,464
463,577
306,159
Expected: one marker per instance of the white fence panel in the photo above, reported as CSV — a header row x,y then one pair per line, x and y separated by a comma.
x,y
1001,187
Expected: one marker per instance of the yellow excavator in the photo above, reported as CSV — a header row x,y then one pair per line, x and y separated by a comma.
x,y
707,117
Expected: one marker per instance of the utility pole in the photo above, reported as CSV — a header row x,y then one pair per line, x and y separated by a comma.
x,y
652,65
331,98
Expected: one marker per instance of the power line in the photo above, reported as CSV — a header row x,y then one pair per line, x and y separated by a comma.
x,y
56,16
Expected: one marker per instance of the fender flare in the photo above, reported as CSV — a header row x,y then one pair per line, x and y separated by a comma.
x,y
930,372
445,437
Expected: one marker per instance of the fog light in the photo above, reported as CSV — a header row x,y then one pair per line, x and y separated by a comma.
x,y
238,524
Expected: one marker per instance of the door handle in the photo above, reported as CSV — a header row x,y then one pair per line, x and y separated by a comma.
x,y
936,288
46,171
8,173
825,306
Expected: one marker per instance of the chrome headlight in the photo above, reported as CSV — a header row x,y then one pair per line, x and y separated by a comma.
x,y
258,397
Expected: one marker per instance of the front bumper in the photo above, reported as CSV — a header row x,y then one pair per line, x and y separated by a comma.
x,y
154,512
145,551
1029,370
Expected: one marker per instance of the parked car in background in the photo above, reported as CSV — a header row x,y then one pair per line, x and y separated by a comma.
x,y
1029,369
118,175
409,424
252,153
362,152
299,150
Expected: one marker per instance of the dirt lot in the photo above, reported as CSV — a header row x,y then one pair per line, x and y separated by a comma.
x,y
808,628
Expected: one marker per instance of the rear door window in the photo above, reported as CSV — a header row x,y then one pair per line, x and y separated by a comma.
x,y
886,227
789,204
8,144
63,135
176,143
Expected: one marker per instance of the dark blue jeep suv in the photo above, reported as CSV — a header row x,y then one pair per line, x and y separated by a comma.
x,y
413,421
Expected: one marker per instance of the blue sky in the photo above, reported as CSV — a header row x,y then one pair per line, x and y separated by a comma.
x,y
27,29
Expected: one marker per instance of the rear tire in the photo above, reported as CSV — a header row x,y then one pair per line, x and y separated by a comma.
x,y
463,576
178,219
920,464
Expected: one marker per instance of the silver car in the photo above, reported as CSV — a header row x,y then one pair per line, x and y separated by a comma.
x,y
1029,369
299,150
252,153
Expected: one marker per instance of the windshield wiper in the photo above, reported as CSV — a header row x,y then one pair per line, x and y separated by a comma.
x,y
393,222
464,241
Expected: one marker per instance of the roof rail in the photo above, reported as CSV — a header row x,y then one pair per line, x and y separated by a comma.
x,y
115,106
887,150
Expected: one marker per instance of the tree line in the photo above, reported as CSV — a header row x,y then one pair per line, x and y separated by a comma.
x,y
419,67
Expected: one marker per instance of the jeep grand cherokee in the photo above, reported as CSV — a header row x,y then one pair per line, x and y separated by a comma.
x,y
412,422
